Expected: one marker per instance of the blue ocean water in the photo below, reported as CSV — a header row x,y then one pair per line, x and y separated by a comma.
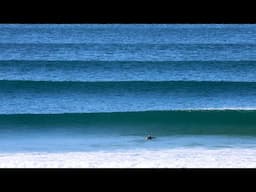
x,y
92,86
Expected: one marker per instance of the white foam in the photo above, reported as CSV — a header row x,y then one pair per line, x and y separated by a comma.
x,y
169,158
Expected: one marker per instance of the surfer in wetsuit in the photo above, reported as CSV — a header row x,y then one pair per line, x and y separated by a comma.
x,y
149,137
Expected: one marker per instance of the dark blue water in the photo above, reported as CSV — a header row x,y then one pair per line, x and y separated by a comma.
x,y
88,69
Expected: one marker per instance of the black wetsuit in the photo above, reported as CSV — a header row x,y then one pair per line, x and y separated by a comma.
x,y
149,137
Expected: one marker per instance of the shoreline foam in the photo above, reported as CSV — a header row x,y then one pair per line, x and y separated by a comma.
x,y
170,158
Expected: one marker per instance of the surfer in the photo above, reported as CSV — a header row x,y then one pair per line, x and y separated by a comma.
x,y
150,137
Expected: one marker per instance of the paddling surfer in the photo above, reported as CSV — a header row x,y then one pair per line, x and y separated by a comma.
x,y
149,137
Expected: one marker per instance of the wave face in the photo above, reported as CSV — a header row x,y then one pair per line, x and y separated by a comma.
x,y
161,123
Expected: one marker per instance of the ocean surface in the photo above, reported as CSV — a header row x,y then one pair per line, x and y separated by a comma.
x,y
96,90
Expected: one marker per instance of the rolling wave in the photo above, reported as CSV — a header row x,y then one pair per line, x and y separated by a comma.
x,y
73,97
227,122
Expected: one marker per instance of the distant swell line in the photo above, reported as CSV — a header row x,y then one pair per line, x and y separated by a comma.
x,y
188,110
125,82
125,44
95,62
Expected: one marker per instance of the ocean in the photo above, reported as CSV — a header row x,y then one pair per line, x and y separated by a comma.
x,y
87,95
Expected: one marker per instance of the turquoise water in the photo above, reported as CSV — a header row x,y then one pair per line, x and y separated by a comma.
x,y
162,123
95,87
